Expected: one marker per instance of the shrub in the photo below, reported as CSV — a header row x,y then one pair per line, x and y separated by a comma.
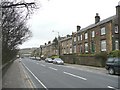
x,y
115,53
86,55
102,56
54,56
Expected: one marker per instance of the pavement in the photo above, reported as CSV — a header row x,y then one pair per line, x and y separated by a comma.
x,y
88,68
16,77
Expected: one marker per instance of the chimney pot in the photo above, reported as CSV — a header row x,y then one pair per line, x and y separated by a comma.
x,y
119,3
97,14
78,27
97,18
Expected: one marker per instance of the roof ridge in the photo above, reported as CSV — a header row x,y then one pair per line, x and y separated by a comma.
x,y
101,22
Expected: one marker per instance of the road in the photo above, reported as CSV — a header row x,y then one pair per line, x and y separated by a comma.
x,y
48,75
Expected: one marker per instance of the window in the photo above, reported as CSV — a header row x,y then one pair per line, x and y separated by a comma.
x,y
64,51
109,60
67,50
93,33
74,39
103,45
81,37
116,29
86,35
103,31
70,50
81,48
74,49
116,45
78,37
62,43
56,52
92,47
86,47
117,61
67,43
70,42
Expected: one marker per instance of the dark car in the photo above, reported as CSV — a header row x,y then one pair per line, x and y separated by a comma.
x,y
58,61
113,65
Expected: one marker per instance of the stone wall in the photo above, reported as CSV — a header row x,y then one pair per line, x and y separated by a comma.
x,y
83,60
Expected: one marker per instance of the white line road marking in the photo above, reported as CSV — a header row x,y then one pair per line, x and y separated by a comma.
x,y
35,77
111,87
26,75
74,75
70,67
53,68
42,65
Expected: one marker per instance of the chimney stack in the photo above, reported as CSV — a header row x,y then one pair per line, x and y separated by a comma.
x,y
97,18
118,19
49,42
118,10
68,35
78,28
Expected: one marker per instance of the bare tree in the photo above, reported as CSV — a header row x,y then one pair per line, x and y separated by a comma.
x,y
21,5
14,28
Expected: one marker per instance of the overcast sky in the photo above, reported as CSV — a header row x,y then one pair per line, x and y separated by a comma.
x,y
63,16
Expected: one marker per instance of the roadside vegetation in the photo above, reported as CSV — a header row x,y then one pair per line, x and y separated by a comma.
x,y
115,53
54,56
14,28
97,60
35,53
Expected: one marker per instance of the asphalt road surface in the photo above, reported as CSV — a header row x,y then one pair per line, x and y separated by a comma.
x,y
48,75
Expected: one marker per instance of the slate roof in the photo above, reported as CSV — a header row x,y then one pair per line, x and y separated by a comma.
x,y
99,23
66,38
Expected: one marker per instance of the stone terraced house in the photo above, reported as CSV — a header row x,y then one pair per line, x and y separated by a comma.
x,y
66,45
100,36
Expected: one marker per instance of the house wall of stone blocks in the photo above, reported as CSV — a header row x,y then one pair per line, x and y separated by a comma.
x,y
102,35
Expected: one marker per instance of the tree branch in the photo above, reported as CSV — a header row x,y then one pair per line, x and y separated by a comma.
x,y
18,4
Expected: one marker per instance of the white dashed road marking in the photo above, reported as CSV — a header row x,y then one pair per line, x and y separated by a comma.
x,y
42,65
111,87
53,68
75,75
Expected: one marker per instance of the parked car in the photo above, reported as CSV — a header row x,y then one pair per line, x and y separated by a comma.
x,y
49,60
20,59
35,58
113,65
58,61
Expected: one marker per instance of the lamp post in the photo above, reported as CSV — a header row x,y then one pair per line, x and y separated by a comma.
x,y
40,51
56,32
58,42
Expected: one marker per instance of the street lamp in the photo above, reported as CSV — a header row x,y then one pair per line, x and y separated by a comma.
x,y
40,51
56,32
58,42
